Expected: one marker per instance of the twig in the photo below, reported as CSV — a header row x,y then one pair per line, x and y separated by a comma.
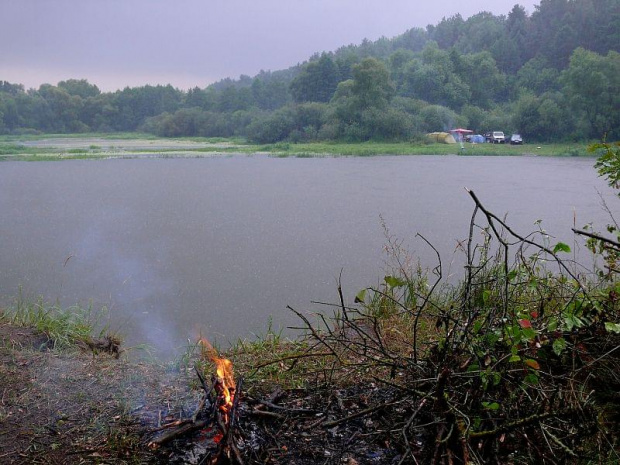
x,y
361,413
204,384
490,217
562,446
313,331
426,299
170,435
611,242
201,404
265,413
344,310
511,426
170,425
291,357
286,409
406,438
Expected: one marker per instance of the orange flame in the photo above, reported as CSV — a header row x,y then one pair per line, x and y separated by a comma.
x,y
224,370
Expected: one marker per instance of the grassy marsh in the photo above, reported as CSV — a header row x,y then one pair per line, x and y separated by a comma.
x,y
129,145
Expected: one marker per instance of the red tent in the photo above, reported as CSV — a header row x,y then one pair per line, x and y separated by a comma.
x,y
462,131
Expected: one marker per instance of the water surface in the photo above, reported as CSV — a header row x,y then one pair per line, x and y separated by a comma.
x,y
222,244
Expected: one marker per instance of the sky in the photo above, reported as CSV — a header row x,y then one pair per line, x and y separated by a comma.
x,y
189,43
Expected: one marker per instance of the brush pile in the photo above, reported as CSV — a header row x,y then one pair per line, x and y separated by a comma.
x,y
520,363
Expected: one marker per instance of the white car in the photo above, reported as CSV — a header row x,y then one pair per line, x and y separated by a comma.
x,y
498,137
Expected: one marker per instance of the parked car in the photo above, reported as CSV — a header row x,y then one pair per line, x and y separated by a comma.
x,y
516,139
497,137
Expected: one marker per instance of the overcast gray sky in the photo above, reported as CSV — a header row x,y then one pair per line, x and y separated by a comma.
x,y
187,43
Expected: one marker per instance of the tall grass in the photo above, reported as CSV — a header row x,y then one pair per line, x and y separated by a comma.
x,y
65,327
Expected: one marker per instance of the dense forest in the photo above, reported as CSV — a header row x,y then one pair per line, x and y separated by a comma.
x,y
552,75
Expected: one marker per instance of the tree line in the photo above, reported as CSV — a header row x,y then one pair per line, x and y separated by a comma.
x,y
552,75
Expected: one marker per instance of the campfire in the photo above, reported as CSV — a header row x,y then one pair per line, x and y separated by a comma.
x,y
224,385
216,415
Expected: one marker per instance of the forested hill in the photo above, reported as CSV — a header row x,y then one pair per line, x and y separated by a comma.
x,y
551,75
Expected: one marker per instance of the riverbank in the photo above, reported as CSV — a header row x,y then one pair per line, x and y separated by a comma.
x,y
72,403
514,364
96,146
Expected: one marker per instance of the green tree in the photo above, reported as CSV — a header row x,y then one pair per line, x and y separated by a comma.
x,y
448,31
11,89
371,84
592,83
272,127
486,82
80,87
398,64
270,94
317,81
136,104
438,118
538,76
542,118
480,32
414,40
198,98
9,114
64,109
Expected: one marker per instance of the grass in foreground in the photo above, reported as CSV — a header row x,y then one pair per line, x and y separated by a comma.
x,y
65,327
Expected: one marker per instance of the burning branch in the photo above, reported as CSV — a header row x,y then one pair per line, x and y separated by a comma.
x,y
218,410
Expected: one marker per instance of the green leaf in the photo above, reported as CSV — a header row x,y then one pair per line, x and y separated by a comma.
x,y
559,345
531,379
490,405
514,358
393,281
360,298
529,334
561,247
485,296
473,367
612,327
572,321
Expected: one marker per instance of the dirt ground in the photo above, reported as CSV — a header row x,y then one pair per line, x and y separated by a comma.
x,y
77,407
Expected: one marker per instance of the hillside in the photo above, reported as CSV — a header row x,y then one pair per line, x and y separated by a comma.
x,y
552,76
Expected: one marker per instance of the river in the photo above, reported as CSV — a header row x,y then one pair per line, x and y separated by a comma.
x,y
221,245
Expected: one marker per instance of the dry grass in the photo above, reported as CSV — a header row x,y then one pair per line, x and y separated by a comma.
x,y
77,406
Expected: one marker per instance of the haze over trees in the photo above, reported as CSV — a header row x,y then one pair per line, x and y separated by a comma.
x,y
552,75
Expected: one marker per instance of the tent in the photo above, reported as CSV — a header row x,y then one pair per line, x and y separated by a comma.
x,y
441,137
460,132
477,139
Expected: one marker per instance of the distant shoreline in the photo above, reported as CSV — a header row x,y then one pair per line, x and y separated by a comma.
x,y
140,146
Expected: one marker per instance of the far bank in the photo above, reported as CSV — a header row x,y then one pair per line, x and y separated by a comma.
x,y
129,145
